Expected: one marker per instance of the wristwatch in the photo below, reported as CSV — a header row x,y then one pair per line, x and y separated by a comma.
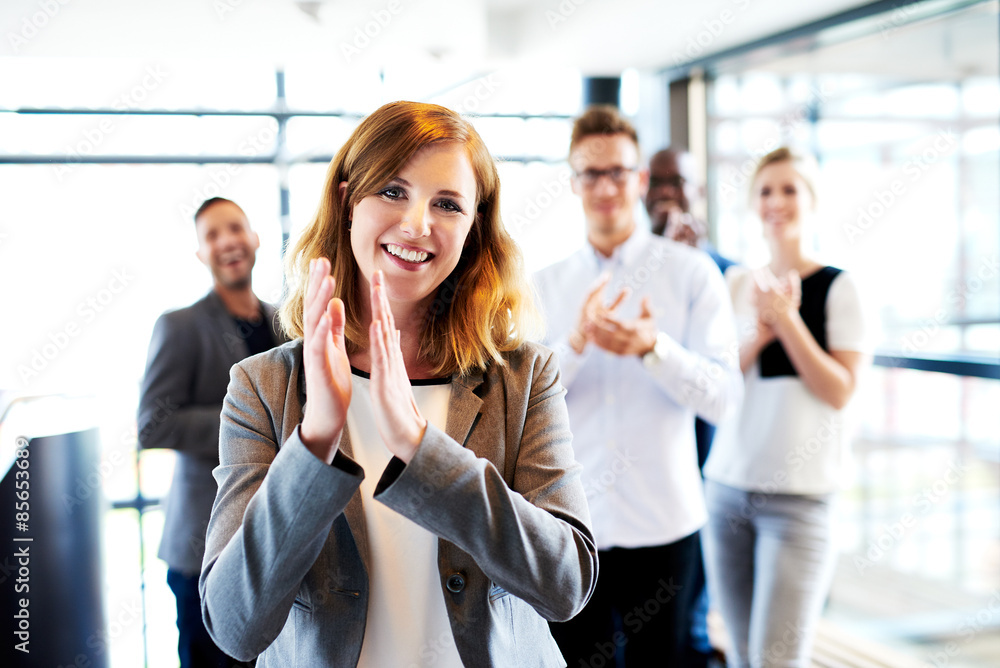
x,y
659,351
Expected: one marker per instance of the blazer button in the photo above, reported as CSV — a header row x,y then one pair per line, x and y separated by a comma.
x,y
456,583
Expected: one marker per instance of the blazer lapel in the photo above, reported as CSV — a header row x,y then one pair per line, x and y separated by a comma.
x,y
464,407
354,512
463,410
234,346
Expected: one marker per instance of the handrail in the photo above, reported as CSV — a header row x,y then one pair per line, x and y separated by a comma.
x,y
956,364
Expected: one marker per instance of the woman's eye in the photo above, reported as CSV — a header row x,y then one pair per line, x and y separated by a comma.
x,y
391,192
449,205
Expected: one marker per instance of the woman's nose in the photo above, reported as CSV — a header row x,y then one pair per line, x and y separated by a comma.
x,y
417,220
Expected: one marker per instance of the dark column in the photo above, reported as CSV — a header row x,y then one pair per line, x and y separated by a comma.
x,y
50,577
602,90
679,121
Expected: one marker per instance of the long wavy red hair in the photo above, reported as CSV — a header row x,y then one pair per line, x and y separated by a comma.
x,y
484,307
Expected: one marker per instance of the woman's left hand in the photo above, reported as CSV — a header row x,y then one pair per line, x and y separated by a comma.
x,y
399,421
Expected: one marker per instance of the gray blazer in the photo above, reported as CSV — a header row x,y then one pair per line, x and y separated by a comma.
x,y
187,369
285,572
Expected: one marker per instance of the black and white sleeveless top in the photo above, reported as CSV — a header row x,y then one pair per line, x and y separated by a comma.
x,y
784,439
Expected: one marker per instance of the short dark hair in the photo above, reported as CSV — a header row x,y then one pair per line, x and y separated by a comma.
x,y
212,201
601,119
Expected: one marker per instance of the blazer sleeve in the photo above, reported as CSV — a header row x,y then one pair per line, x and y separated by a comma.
x,y
273,512
167,417
532,538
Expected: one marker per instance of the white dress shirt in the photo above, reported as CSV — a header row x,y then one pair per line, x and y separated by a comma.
x,y
633,424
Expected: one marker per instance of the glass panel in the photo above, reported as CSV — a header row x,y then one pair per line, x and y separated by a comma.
x,y
516,91
540,211
99,83
920,527
93,134
311,136
980,97
516,137
316,86
906,133
910,190
121,637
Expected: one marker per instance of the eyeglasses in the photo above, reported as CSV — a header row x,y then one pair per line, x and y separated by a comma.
x,y
590,177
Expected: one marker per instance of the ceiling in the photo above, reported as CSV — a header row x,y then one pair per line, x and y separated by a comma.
x,y
943,48
594,36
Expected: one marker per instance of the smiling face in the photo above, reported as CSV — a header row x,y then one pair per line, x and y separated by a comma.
x,y
414,228
668,187
227,245
781,197
608,204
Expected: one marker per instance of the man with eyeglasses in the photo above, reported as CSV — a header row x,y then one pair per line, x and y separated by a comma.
x,y
646,340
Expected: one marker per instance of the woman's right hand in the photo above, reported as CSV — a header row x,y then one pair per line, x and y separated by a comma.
x,y
327,367
776,298
772,298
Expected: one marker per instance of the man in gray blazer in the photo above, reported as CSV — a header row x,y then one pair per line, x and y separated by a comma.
x,y
187,371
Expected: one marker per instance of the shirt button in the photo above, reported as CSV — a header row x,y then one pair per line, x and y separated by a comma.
x,y
456,583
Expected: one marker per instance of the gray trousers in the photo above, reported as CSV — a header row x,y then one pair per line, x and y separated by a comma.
x,y
769,559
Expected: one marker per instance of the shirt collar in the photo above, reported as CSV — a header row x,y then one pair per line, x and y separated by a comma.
x,y
628,250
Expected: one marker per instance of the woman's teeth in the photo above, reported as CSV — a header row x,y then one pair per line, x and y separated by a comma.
x,y
408,255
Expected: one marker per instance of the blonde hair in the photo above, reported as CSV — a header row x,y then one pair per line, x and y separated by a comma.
x,y
483,307
804,165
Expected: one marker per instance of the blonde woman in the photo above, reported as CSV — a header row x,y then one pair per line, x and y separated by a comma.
x,y
773,471
397,486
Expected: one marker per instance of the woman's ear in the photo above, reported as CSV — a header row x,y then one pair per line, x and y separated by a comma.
x,y
342,190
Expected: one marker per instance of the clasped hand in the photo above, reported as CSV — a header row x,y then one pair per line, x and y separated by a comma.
x,y
328,371
598,324
776,299
672,222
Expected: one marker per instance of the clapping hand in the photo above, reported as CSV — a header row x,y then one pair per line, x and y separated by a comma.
x,y
633,336
399,421
600,325
776,299
327,367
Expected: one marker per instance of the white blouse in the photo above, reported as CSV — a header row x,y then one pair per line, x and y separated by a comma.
x,y
784,439
407,623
